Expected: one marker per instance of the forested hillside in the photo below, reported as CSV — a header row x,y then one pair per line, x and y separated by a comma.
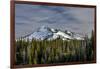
x,y
54,51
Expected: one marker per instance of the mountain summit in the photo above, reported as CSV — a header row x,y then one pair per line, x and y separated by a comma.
x,y
47,33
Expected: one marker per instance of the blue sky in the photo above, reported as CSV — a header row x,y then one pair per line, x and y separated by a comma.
x,y
30,17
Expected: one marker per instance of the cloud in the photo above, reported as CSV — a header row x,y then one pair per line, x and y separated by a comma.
x,y
31,17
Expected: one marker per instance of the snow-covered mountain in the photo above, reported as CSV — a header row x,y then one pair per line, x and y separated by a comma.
x,y
51,34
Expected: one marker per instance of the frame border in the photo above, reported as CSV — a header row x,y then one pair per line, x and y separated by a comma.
x,y
12,33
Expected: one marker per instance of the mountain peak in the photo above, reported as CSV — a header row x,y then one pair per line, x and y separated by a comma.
x,y
44,32
44,28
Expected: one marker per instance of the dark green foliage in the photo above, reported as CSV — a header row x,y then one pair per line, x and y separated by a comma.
x,y
53,51
90,47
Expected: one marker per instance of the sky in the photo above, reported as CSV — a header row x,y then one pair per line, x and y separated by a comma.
x,y
28,18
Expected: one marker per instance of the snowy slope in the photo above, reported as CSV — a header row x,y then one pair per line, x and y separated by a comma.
x,y
51,34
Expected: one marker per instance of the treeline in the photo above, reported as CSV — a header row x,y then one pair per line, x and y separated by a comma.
x,y
53,51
